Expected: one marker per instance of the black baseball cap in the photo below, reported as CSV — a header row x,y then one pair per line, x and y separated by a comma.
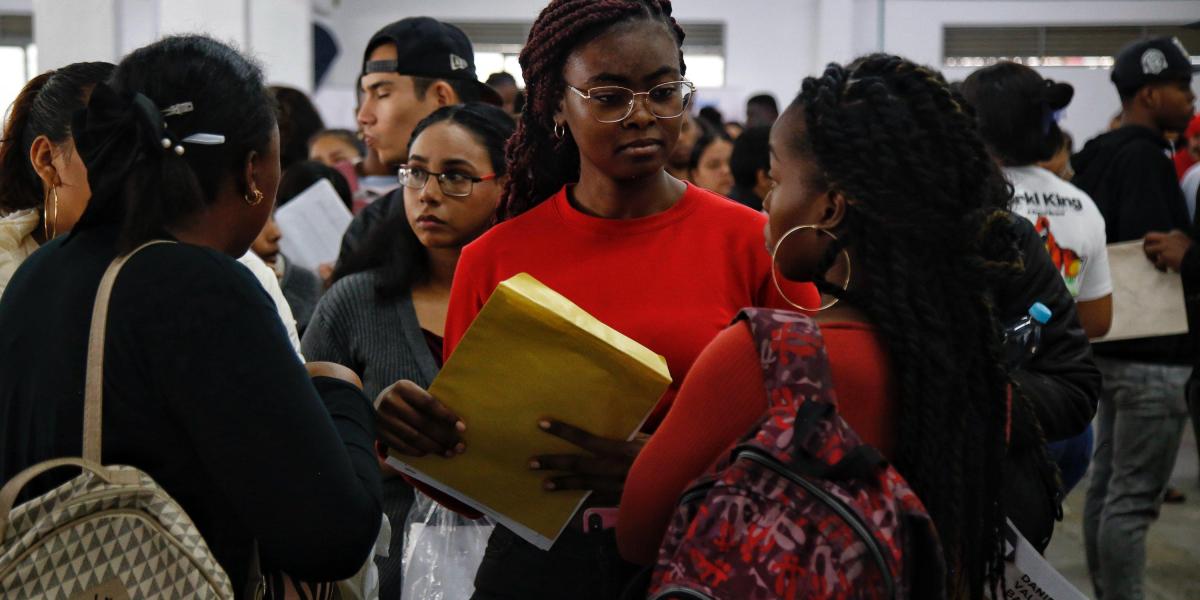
x,y
1151,61
427,47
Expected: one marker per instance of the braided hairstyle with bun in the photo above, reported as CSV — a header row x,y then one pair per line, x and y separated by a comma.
x,y
538,163
925,214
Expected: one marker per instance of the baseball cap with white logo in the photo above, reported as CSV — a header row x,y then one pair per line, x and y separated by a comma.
x,y
1151,61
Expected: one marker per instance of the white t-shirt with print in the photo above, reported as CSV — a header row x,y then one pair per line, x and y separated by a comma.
x,y
1070,225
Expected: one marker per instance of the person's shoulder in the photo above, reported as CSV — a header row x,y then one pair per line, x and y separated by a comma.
x,y
515,233
301,278
1191,177
353,291
188,275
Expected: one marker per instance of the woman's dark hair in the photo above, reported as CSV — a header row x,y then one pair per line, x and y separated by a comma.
x,y
539,164
44,107
165,92
298,122
712,115
702,144
304,174
342,134
751,154
1015,108
925,214
392,249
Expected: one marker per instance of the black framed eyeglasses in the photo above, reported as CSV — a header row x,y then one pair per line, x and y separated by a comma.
x,y
613,103
452,184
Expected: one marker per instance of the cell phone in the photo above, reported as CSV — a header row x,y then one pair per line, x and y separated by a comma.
x,y
599,519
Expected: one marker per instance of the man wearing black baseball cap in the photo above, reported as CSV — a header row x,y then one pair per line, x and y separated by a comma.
x,y
410,68
1142,411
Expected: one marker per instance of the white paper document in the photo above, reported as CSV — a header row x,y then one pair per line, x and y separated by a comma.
x,y
1028,576
1146,302
312,225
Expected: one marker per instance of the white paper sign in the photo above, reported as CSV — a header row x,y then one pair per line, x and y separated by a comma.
x,y
312,225
1146,302
1028,576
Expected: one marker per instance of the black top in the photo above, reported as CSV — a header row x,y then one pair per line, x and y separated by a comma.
x,y
1129,173
746,196
1061,381
203,391
378,211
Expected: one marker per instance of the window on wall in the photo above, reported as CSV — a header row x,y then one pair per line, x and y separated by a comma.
x,y
1050,46
18,57
497,46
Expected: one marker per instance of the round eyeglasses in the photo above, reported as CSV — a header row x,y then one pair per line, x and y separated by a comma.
x,y
452,184
612,104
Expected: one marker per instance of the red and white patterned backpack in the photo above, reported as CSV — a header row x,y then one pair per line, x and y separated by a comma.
x,y
801,508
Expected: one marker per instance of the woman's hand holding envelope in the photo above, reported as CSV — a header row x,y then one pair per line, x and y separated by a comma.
x,y
602,470
411,421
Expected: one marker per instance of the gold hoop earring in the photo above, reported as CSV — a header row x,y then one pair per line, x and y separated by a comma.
x,y
50,223
258,198
560,131
775,267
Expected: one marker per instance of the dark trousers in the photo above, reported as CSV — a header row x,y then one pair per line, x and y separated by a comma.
x,y
581,566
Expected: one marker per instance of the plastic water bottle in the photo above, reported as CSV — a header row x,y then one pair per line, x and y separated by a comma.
x,y
1023,337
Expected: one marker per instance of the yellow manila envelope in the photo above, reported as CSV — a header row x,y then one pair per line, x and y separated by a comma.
x,y
531,354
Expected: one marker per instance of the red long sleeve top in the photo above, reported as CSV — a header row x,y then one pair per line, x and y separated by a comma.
x,y
721,399
670,281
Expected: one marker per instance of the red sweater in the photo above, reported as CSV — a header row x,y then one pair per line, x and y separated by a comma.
x,y
671,281
721,399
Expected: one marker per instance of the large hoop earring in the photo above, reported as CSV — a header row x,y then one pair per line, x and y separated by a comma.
x,y
50,223
775,268
258,197
560,131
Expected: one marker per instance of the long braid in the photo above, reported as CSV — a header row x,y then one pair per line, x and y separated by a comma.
x,y
538,163
927,221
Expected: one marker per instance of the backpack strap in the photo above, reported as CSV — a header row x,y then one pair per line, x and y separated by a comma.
x,y
799,385
93,397
795,366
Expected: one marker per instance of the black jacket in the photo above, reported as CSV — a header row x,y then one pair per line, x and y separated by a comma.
x,y
1129,173
746,197
359,230
1061,381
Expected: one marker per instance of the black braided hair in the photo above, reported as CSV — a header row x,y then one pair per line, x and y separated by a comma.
x,y
925,213
538,164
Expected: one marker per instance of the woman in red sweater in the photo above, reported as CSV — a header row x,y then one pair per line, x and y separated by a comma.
x,y
590,211
885,198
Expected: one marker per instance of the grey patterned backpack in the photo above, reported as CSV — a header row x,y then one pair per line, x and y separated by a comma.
x,y
110,533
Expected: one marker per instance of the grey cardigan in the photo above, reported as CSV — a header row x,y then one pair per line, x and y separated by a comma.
x,y
382,342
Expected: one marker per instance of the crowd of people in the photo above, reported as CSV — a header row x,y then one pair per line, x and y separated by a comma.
x,y
910,218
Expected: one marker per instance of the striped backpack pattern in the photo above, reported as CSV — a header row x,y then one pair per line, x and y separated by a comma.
x,y
801,508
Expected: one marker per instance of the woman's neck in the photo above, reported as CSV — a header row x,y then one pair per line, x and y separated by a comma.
x,y
602,196
210,228
442,262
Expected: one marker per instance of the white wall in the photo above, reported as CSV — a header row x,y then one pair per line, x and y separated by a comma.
x,y
63,36
276,32
767,45
280,34
914,29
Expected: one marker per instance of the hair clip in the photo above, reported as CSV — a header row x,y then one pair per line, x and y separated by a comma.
x,y
178,109
205,139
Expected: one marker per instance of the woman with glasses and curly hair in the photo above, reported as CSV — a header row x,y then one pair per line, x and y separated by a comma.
x,y
590,211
